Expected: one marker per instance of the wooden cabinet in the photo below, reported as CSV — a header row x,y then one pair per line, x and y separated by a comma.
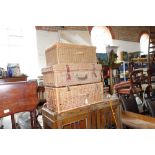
x,y
74,119
95,116
102,115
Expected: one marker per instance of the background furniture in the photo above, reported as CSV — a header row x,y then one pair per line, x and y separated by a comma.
x,y
13,79
124,71
133,86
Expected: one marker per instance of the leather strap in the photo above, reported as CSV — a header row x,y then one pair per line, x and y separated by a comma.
x,y
68,72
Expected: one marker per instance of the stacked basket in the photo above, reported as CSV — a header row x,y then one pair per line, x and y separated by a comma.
x,y
72,77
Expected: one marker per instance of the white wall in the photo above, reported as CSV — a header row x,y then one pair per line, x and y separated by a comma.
x,y
44,40
18,45
47,38
127,46
75,37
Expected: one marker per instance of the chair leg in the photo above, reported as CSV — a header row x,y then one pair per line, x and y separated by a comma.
x,y
33,119
13,121
1,123
31,116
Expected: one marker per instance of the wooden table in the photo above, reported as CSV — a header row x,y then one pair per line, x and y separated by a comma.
x,y
16,97
137,121
11,79
95,116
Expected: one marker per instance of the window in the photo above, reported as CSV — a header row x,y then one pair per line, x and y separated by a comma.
x,y
18,45
144,42
101,37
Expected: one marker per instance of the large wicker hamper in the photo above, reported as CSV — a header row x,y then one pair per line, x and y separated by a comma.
x,y
67,98
70,53
72,74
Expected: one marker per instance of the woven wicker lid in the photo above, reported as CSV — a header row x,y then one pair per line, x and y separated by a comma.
x,y
59,45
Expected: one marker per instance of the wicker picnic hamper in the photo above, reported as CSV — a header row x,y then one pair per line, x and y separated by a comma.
x,y
64,98
70,53
72,74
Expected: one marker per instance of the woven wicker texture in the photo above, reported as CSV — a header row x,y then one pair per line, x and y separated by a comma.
x,y
70,53
63,99
72,74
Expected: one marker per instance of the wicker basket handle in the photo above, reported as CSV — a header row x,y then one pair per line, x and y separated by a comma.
x,y
79,77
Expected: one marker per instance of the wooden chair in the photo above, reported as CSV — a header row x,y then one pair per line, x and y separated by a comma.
x,y
18,97
134,85
131,87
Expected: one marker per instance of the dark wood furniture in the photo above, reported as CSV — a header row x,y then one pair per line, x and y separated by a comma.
x,y
137,121
95,116
18,97
13,79
134,85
